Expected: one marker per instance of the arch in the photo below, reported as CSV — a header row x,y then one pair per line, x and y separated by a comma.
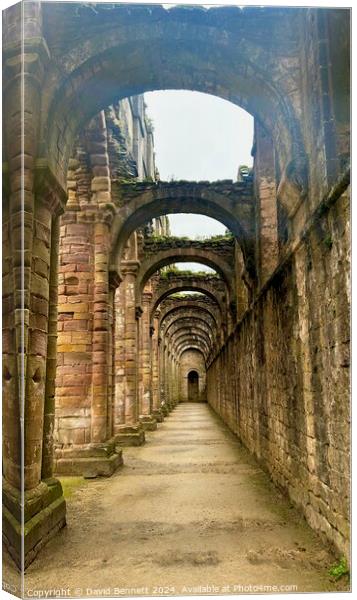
x,y
178,318
194,338
211,311
193,386
193,334
193,288
165,257
177,310
232,204
191,346
190,314
193,330
193,374
198,350
123,52
196,321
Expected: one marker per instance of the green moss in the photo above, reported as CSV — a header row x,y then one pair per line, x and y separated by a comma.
x,y
71,485
215,239
172,272
340,569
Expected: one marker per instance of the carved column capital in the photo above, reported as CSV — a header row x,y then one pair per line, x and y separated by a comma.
x,y
129,267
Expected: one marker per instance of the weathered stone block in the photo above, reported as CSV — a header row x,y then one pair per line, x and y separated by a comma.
x,y
45,514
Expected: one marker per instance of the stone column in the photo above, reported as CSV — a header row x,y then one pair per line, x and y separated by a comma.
x,y
156,369
114,281
34,201
37,500
75,319
163,378
100,332
132,432
177,386
168,373
49,410
119,359
104,457
173,397
85,445
168,359
145,401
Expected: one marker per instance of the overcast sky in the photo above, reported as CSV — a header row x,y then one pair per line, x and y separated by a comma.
x,y
198,137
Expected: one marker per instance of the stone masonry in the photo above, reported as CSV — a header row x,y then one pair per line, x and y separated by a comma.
x,y
102,335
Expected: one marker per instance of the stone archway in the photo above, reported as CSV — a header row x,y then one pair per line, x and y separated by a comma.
x,y
178,49
192,386
208,287
230,203
218,256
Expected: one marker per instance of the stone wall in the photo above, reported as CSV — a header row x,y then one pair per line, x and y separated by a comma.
x,y
281,382
191,360
132,140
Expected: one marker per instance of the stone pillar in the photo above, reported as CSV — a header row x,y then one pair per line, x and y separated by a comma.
x,y
145,401
85,445
119,359
100,332
75,324
170,379
49,410
163,374
173,382
34,201
132,432
102,458
157,410
38,498
168,376
114,281
176,379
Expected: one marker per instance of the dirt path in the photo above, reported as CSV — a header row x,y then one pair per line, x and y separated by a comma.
x,y
190,510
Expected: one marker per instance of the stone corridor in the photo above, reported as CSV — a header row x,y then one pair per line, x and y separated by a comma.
x,y
190,508
106,339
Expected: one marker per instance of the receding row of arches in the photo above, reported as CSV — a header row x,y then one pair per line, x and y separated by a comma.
x,y
102,336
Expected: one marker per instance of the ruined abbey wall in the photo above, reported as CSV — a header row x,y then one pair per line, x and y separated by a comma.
x,y
281,380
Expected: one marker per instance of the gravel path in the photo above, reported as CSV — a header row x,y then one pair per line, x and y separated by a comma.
x,y
190,512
